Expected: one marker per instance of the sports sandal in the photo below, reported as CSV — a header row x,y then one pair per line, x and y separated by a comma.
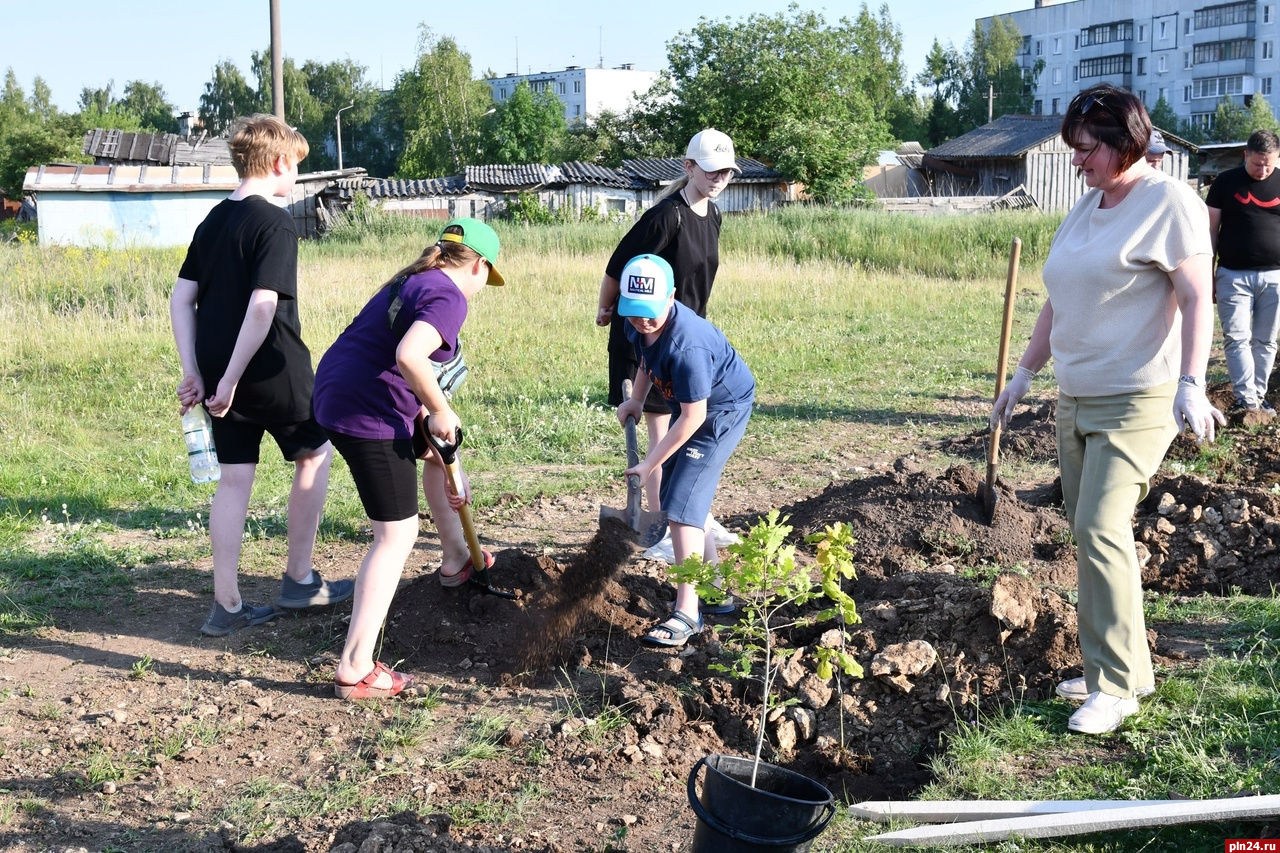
x,y
364,689
720,608
678,626
466,573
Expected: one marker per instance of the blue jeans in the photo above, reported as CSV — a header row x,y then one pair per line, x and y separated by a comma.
x,y
1249,308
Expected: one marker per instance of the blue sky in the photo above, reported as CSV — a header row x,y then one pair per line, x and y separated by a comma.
x,y
77,43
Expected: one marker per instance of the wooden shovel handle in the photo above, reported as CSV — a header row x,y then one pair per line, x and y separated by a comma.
x,y
1002,360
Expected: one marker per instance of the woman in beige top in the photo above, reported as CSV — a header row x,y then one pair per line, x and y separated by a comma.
x,y
1128,323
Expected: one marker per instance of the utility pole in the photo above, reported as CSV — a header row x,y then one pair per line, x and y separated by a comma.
x,y
277,63
991,99
338,119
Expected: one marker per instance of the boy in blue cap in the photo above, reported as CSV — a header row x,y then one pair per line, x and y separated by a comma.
x,y
710,391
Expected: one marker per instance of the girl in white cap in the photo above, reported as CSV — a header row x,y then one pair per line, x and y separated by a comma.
x,y
683,228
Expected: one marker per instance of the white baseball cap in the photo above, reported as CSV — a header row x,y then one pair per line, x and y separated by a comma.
x,y
712,150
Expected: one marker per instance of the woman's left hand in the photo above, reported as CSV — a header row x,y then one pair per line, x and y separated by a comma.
x,y
1192,408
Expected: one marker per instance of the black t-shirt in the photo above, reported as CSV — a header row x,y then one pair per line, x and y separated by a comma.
x,y
239,247
687,241
1249,231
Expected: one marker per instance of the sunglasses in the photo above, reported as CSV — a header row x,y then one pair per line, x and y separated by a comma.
x,y
1091,102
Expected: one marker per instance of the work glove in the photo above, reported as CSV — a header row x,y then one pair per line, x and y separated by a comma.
x,y
1192,408
1009,398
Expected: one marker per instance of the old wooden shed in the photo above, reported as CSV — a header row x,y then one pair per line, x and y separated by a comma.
x,y
1022,151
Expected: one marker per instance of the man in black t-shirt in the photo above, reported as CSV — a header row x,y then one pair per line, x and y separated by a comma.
x,y
1244,223
235,321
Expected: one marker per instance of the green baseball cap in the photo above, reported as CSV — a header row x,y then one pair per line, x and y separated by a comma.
x,y
479,238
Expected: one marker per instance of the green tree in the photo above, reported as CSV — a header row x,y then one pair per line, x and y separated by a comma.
x,y
608,138
226,97
1231,122
32,132
439,107
527,127
1163,116
777,83
992,82
148,102
944,71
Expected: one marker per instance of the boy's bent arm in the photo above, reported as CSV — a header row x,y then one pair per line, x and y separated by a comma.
x,y
182,317
253,331
692,416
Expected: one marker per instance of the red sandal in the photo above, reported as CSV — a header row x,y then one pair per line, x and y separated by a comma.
x,y
364,689
466,573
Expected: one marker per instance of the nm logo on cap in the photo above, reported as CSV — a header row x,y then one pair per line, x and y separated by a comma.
x,y
641,285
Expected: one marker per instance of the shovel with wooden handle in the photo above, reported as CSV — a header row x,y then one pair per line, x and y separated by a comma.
x,y
649,526
987,490
453,480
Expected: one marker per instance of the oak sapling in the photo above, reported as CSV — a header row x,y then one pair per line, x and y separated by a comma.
x,y
762,573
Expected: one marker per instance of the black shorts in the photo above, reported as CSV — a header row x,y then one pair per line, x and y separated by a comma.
x,y
386,474
238,439
622,367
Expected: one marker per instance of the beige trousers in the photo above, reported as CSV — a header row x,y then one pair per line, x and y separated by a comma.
x,y
1108,450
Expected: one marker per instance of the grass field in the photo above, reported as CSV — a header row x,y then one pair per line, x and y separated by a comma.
x,y
887,322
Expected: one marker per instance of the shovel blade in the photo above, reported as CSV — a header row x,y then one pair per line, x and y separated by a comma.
x,y
649,527
988,497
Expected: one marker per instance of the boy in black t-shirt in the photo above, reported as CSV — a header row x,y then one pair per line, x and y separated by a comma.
x,y
235,321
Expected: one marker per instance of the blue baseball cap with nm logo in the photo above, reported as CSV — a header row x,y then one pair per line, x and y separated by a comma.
x,y
647,283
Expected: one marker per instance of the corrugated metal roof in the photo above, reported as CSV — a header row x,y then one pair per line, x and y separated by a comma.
x,y
1007,136
517,176
400,188
129,179
666,170
578,172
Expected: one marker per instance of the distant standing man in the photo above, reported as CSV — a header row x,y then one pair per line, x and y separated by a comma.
x,y
1156,149
1244,224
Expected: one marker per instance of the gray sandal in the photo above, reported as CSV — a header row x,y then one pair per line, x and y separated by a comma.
x,y
678,626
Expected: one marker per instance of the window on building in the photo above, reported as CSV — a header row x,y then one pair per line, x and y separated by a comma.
x,y
560,88
1186,26
1142,32
1057,46
1266,14
577,110
1164,93
1057,76
1121,63
502,93
1222,16
1075,73
1160,65
1077,42
577,87
1038,107
1026,45
1142,65
615,205
1186,59
1057,102
1039,48
1186,94
1218,87
1107,33
1264,86
1203,121
1142,96
1223,51
1164,30
1268,50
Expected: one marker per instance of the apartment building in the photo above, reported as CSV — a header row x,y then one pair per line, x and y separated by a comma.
x,y
1193,54
584,92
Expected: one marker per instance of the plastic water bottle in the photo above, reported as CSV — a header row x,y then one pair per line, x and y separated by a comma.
x,y
197,429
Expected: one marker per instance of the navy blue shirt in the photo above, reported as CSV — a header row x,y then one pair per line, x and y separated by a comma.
x,y
692,360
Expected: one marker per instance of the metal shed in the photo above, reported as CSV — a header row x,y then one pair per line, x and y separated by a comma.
x,y
115,206
1022,151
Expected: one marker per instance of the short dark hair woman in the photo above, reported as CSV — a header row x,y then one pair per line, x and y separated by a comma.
x,y
1128,323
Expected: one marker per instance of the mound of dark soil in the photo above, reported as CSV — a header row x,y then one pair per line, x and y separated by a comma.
x,y
1029,437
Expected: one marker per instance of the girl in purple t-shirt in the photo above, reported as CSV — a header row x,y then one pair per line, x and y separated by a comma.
x,y
370,387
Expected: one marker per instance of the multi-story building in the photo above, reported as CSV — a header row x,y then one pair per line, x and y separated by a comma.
x,y
1192,53
585,92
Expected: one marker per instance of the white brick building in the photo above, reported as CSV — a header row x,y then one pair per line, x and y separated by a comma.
x,y
584,92
1193,53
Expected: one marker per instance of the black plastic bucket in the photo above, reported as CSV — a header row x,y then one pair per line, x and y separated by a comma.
x,y
784,812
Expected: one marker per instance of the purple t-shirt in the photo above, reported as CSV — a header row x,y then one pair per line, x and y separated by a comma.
x,y
359,390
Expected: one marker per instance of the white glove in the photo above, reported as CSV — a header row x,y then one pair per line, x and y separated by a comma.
x,y
1017,388
1192,408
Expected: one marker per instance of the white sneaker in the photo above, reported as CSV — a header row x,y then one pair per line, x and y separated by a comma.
x,y
1075,690
722,537
1102,713
665,552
